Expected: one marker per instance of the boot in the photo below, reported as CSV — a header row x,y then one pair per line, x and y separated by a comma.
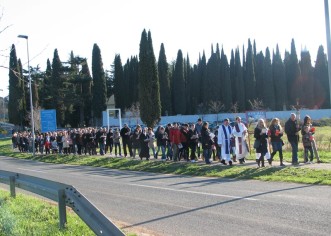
x,y
258,162
234,158
262,161
281,160
270,161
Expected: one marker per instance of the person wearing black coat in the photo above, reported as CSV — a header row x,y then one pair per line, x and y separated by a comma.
x,y
292,129
260,134
206,141
144,149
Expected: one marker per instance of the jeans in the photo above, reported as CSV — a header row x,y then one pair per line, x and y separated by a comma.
x,y
175,150
310,150
102,148
117,145
294,145
163,149
207,155
169,151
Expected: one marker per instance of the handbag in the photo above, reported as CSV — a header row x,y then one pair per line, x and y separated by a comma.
x,y
257,143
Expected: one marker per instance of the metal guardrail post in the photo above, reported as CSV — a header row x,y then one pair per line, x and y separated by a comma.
x,y
65,195
12,186
62,208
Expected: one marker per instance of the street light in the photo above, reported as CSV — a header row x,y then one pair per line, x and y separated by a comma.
x,y
328,40
3,104
30,89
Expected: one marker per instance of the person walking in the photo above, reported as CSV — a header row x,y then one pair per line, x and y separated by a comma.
x,y
126,140
224,136
308,122
240,133
175,140
206,141
261,137
292,129
307,138
275,133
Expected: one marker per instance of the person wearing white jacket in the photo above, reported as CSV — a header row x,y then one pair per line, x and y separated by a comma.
x,y
240,133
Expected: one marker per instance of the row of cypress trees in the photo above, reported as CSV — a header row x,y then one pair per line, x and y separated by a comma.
x,y
169,88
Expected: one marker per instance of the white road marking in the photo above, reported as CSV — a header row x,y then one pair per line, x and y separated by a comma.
x,y
39,171
195,192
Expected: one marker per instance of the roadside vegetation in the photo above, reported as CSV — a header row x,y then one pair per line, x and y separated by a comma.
x,y
35,218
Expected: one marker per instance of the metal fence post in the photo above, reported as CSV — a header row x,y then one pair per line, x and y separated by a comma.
x,y
62,208
12,186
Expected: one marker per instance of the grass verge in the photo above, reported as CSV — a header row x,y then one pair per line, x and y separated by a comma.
x,y
36,218
286,174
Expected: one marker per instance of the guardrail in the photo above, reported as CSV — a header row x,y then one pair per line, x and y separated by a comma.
x,y
65,195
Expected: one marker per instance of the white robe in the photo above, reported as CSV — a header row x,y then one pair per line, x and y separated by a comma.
x,y
224,140
241,143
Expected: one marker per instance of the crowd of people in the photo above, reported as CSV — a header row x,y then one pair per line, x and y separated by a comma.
x,y
175,142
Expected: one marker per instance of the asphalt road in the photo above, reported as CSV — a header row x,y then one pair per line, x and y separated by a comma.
x,y
183,205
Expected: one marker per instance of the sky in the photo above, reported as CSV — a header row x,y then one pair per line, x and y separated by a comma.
x,y
192,26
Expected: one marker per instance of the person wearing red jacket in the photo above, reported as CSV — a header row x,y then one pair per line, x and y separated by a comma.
x,y
175,140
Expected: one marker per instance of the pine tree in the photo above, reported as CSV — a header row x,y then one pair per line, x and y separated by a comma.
x,y
149,87
278,73
165,92
179,105
321,77
268,83
99,85
15,102
307,81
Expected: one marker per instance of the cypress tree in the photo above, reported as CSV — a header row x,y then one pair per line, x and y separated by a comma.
x,y
99,85
22,95
226,89
233,77
211,85
202,67
188,82
250,82
45,88
15,103
307,91
278,73
165,92
195,89
259,73
292,75
149,87
268,83
321,77
86,92
119,93
57,89
239,83
179,104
